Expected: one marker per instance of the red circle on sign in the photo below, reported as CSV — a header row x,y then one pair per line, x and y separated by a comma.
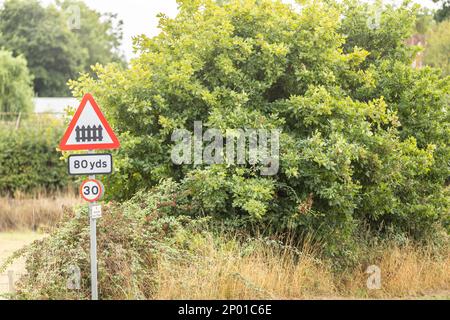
x,y
88,183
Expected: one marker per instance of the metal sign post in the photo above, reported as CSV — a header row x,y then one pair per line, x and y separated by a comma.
x,y
92,190
94,284
89,130
93,231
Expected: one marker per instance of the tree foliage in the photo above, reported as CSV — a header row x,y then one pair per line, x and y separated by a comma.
x,y
54,52
15,84
437,52
442,13
100,34
364,136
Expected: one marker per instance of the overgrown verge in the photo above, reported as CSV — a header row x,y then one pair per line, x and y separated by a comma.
x,y
129,243
147,249
262,268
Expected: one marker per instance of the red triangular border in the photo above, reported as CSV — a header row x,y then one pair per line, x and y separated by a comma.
x,y
114,145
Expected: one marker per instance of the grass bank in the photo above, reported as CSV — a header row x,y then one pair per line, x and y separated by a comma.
x,y
31,212
264,269
148,255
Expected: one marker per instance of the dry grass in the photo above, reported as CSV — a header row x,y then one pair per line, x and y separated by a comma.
x,y
32,212
227,271
410,272
225,267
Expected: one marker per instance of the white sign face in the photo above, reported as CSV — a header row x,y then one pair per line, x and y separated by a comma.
x,y
90,164
96,212
91,190
89,129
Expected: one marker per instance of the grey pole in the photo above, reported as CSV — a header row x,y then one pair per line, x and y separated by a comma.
x,y
93,243
11,281
93,227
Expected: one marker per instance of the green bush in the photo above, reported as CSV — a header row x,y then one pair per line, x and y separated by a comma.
x,y
364,136
29,160
131,238
16,89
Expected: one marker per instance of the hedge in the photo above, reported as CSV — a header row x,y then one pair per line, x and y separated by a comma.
x,y
29,160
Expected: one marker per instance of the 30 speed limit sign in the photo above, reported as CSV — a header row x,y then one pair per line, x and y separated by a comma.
x,y
92,190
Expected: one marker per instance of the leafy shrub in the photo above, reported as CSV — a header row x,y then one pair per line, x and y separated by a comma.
x,y
364,136
28,157
15,84
131,238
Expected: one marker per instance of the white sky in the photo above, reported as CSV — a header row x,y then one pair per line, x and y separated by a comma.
x,y
139,16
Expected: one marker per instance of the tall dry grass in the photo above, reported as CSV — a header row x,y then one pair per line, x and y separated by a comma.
x,y
30,212
207,265
226,270
408,271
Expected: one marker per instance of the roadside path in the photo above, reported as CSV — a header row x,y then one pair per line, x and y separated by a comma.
x,y
9,243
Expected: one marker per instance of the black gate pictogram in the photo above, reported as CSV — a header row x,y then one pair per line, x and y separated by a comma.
x,y
89,134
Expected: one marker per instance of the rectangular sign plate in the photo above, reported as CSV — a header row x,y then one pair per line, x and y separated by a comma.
x,y
96,212
90,164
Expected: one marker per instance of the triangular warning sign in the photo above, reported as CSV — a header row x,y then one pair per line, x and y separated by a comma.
x,y
89,129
